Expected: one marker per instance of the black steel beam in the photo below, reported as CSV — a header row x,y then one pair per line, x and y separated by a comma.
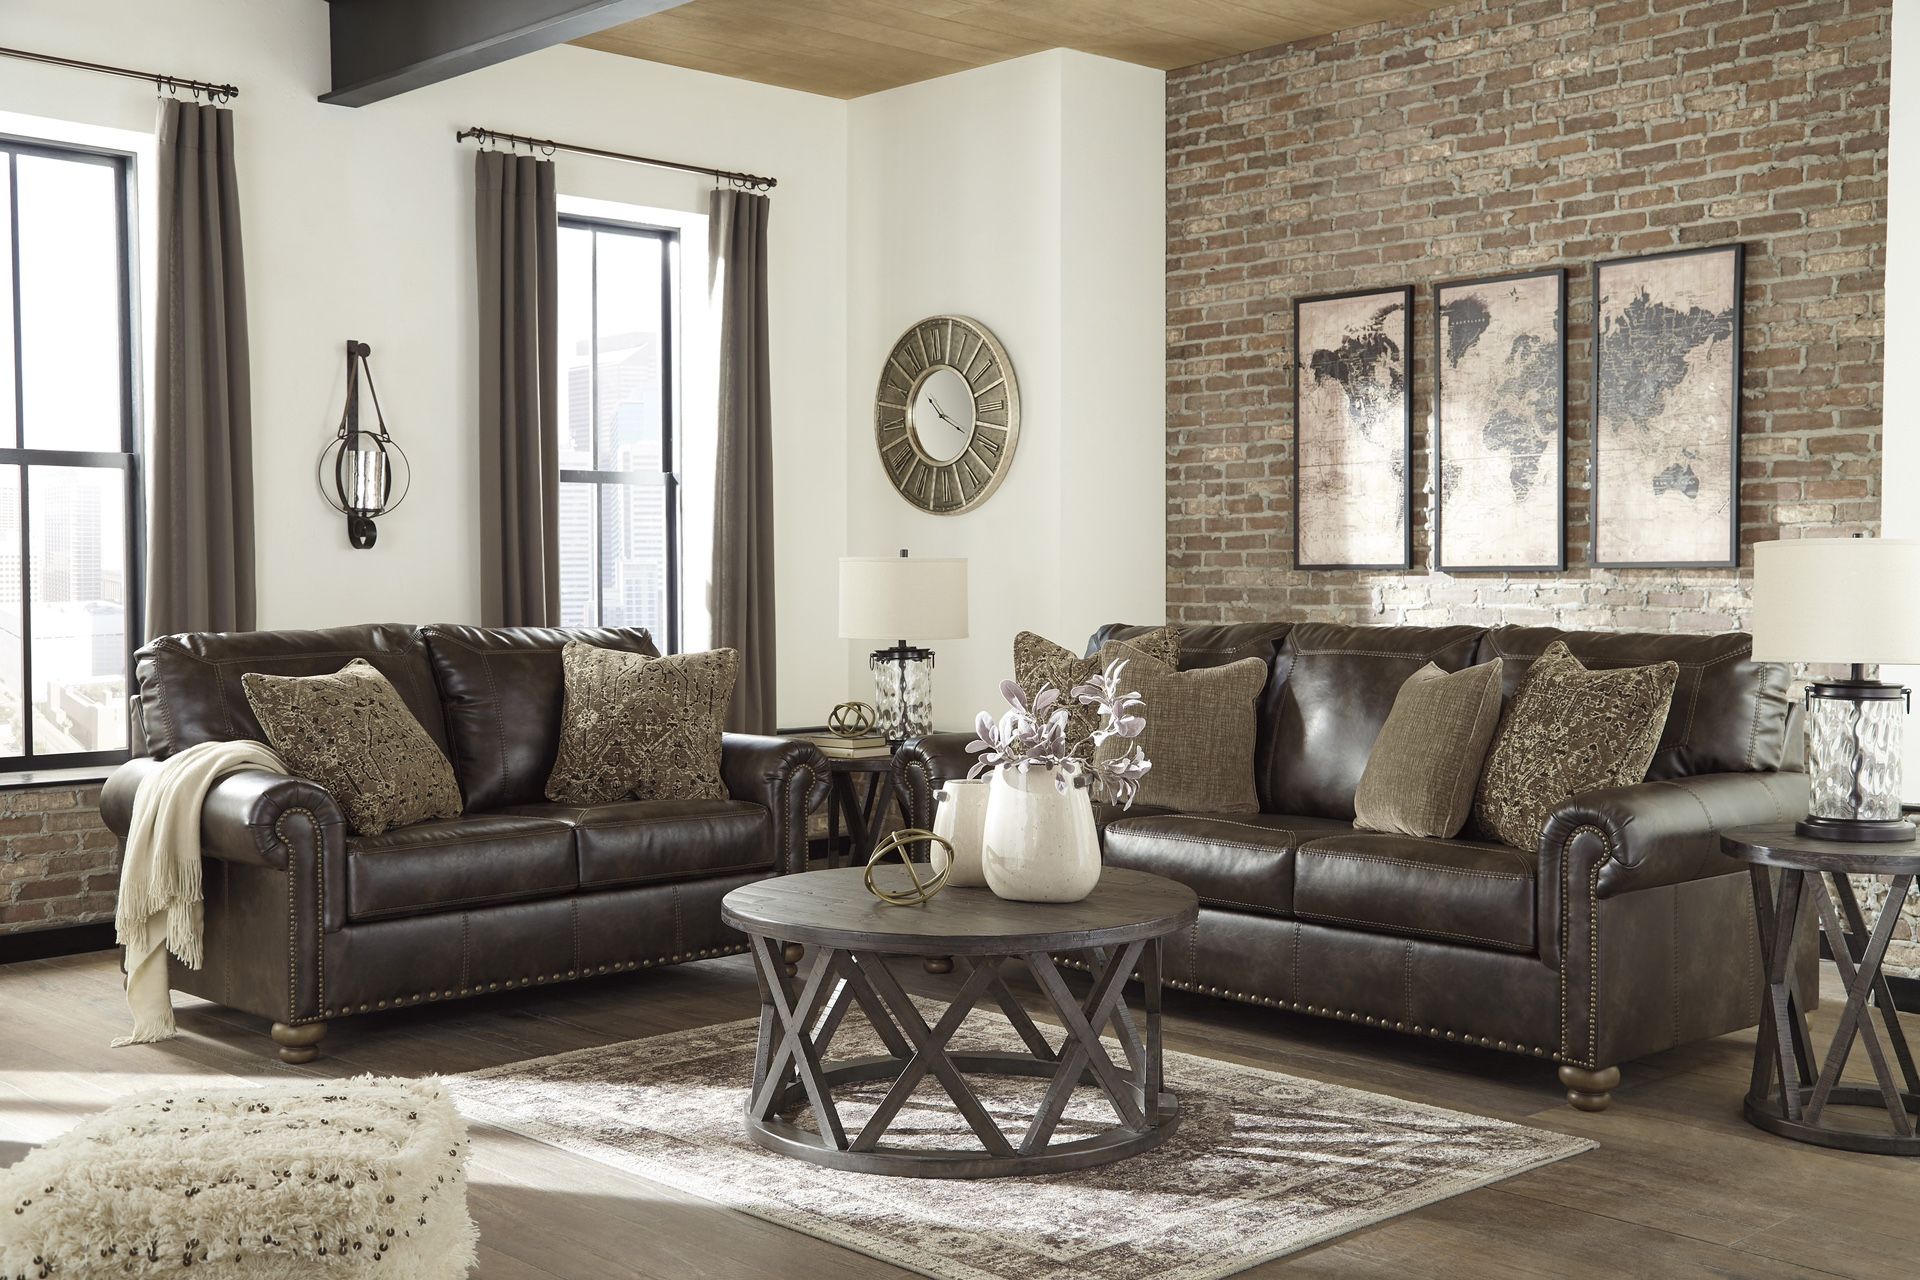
x,y
382,48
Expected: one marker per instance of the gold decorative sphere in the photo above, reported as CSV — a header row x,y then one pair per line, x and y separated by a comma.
x,y
923,890
853,719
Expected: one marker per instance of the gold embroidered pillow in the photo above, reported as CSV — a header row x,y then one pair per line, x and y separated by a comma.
x,y
641,727
352,733
1569,730
1200,731
1038,660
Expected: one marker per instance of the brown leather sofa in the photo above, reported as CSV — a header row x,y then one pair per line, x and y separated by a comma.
x,y
306,922
1626,932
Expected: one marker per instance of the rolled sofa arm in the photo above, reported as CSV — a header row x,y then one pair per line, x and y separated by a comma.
x,y
920,766
1619,839
259,819
786,775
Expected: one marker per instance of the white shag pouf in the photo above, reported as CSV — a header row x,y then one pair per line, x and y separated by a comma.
x,y
363,1177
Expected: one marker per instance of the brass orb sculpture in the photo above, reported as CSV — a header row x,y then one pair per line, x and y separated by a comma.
x,y
923,890
853,719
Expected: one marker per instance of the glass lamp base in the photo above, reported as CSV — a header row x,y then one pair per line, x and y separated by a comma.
x,y
1853,762
903,691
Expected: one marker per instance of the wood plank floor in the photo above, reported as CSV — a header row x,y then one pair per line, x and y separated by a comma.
x,y
1680,1186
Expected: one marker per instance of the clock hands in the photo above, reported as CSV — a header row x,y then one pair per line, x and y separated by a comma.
x,y
943,413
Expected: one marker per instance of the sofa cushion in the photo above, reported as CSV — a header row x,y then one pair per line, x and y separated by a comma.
x,y
190,688
503,690
1463,891
1330,694
1729,712
1420,777
1038,662
642,841
1200,732
1243,862
478,860
1209,646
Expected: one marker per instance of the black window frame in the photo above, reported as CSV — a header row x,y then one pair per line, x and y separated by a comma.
x,y
127,460
669,473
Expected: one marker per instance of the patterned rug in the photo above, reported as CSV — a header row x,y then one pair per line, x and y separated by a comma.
x,y
1262,1165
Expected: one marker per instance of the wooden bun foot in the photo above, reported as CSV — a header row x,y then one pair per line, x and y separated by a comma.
x,y
298,1044
1590,1090
791,953
937,964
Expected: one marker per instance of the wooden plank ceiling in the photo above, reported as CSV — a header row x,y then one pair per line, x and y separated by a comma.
x,y
848,48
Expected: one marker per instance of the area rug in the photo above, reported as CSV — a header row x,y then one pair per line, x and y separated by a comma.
x,y
1262,1165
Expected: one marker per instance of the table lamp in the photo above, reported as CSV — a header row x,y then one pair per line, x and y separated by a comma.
x,y
1851,602
886,597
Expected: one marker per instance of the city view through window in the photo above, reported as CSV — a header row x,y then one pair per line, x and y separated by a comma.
x,y
66,466
618,497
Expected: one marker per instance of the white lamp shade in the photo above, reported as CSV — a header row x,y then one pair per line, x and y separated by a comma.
x,y
1839,600
902,598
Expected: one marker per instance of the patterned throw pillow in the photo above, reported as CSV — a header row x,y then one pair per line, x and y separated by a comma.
x,y
648,728
1038,660
1200,731
1420,775
1569,730
351,733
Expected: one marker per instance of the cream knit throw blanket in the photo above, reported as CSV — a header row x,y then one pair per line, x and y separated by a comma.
x,y
160,875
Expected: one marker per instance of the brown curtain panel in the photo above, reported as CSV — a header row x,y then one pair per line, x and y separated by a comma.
x,y
200,518
518,227
743,489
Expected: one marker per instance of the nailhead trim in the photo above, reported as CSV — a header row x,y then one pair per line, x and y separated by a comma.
x,y
536,980
1437,1033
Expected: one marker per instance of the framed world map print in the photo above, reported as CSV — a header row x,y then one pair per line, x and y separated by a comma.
x,y
1353,431
1666,410
1500,423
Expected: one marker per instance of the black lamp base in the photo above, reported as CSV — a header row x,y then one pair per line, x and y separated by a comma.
x,y
1858,830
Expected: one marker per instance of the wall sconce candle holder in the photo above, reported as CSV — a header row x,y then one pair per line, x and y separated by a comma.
x,y
357,467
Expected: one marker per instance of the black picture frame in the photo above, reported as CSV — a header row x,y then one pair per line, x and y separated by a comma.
x,y
1404,295
1736,254
1559,563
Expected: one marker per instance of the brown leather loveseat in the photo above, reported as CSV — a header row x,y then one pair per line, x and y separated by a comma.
x,y
307,922
1625,932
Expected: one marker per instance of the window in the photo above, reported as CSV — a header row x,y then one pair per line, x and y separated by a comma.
x,y
69,480
619,492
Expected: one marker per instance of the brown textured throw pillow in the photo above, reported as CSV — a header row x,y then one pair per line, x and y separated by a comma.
x,y
643,727
1569,730
1200,731
1038,660
351,733
1420,776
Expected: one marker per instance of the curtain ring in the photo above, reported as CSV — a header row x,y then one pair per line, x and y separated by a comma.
x,y
548,150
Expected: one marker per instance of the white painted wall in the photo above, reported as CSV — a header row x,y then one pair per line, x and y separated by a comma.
x,y
1029,195
359,223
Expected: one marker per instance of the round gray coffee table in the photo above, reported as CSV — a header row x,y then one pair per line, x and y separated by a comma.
x,y
849,934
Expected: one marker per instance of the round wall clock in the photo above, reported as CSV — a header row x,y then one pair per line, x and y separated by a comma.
x,y
947,414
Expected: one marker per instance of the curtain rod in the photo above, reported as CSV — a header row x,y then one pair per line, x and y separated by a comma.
x,y
548,146
218,92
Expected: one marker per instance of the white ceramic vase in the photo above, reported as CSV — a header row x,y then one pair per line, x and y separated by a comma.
x,y
1040,844
961,819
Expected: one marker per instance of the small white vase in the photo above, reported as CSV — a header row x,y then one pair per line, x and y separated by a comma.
x,y
1040,844
961,819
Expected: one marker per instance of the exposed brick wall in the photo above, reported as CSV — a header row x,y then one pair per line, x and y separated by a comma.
x,y
57,861
1486,138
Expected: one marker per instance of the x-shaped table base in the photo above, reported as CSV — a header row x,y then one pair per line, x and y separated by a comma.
x,y
800,1018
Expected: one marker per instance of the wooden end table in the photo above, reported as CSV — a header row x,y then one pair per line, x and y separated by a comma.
x,y
864,815
1798,1107
850,934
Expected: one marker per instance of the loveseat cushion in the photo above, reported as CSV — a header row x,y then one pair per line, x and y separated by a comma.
x,y
475,861
1729,712
649,841
190,689
1469,892
503,689
1331,690
1243,863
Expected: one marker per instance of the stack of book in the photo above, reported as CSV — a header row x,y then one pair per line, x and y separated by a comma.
x,y
833,746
